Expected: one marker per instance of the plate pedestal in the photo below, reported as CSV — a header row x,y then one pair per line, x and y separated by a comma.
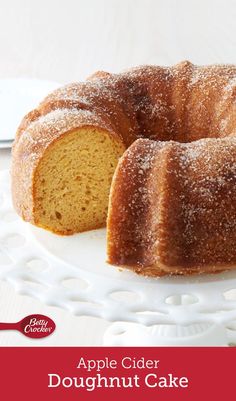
x,y
131,334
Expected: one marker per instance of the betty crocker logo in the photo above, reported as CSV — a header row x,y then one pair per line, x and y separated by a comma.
x,y
33,326
37,326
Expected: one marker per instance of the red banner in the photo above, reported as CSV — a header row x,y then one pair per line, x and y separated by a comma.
x,y
117,374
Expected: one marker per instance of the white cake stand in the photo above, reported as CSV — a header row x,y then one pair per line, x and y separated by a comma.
x,y
71,272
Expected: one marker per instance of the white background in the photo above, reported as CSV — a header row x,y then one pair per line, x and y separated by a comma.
x,y
68,40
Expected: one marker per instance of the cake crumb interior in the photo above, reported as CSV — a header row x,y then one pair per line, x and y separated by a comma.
x,y
72,181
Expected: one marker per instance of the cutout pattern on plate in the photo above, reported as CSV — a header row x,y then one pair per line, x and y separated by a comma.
x,y
40,264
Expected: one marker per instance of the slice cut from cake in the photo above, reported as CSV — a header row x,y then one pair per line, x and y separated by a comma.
x,y
62,181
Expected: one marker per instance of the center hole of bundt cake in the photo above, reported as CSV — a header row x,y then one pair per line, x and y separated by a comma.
x,y
73,181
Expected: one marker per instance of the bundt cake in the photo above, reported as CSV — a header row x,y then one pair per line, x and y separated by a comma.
x,y
66,151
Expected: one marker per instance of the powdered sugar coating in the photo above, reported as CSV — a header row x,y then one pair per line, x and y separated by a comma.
x,y
182,103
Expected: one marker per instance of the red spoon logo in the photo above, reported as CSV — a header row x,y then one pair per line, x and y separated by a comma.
x,y
33,326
